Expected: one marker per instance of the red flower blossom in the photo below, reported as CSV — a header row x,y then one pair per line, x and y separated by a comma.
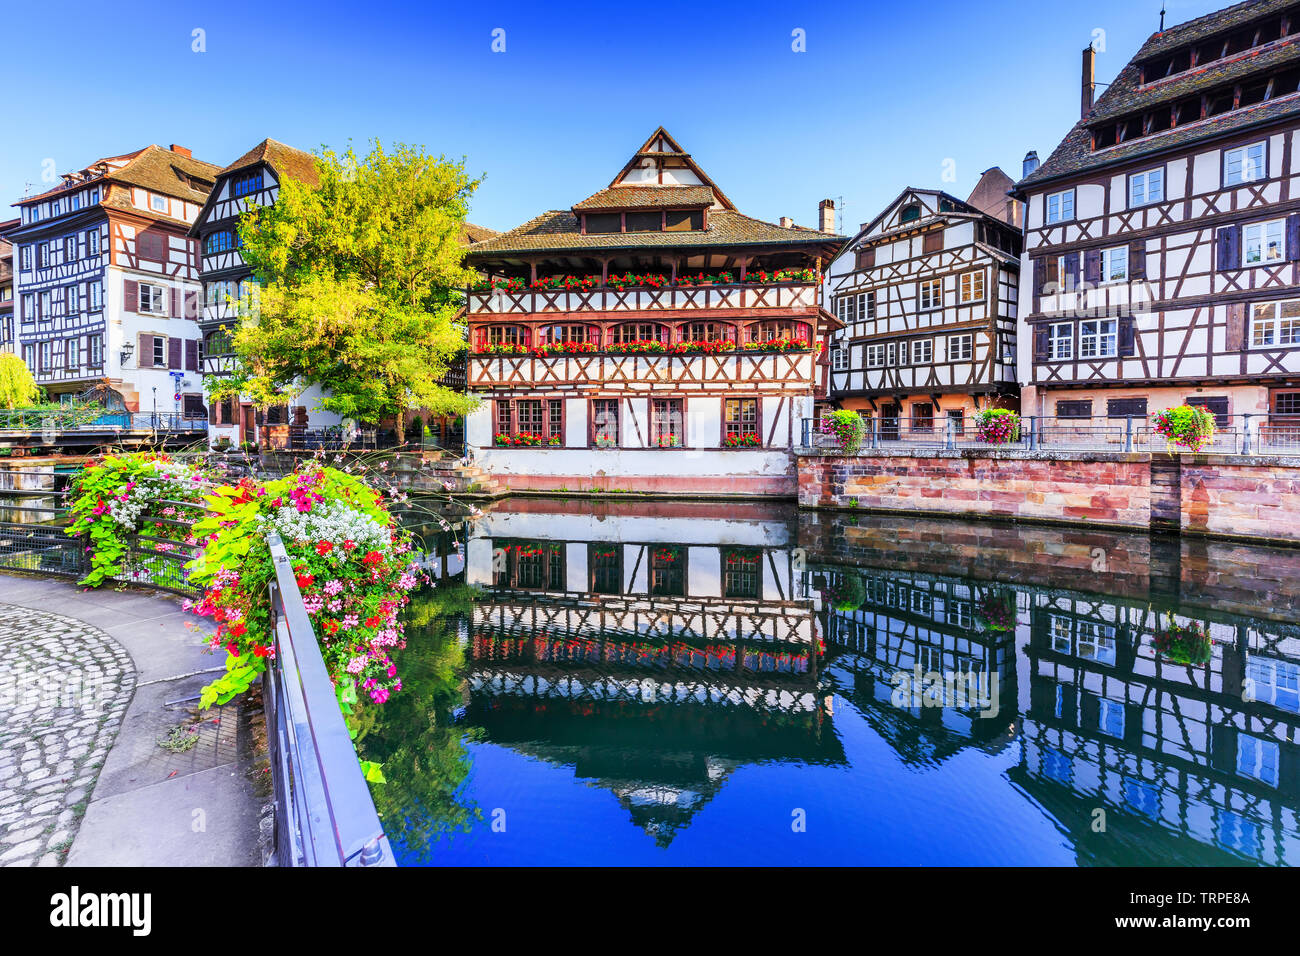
x,y
238,629
324,547
305,580
372,557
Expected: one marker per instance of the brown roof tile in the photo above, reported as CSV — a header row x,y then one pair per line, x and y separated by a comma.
x,y
285,160
657,197
154,168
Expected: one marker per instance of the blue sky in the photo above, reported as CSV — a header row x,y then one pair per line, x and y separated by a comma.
x,y
884,94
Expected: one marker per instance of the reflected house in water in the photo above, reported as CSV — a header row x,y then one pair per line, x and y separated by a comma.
x,y
931,661
653,652
1205,752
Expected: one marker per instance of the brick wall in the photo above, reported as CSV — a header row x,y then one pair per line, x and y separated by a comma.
x,y
1229,495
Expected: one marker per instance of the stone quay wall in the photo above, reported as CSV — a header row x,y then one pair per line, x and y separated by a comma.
x,y
1239,496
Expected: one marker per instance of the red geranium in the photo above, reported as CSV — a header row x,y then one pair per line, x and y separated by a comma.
x,y
324,547
372,557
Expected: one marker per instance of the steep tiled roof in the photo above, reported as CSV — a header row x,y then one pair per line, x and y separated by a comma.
x,y
619,197
154,168
285,160
557,231
471,234
1127,95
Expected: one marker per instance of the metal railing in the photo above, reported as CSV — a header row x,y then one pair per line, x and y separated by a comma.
x,y
324,814
38,420
1245,434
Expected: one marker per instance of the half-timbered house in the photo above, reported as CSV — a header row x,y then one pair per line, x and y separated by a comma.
x,y
651,338
8,332
927,295
1162,244
107,281
228,287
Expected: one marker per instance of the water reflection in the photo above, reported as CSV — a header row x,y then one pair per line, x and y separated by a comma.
x,y
679,682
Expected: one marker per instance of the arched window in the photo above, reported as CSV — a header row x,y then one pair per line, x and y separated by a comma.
x,y
489,335
707,332
638,332
779,329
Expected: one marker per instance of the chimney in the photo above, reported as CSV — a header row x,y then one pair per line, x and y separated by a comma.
x,y
787,222
182,150
1030,163
826,215
1089,82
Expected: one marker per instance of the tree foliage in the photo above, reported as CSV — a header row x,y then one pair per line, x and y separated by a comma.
x,y
18,389
359,286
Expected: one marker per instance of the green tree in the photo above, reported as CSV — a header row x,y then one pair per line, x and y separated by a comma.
x,y
18,389
359,281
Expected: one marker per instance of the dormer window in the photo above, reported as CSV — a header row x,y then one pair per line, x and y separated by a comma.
x,y
158,203
910,213
603,222
643,220
246,185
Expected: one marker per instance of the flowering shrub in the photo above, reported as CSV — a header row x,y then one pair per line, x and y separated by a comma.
x,y
1184,643
505,285
997,426
847,594
668,441
501,348
629,280
124,495
564,348
1186,425
742,441
648,280
523,439
721,278
781,275
352,564
605,441
847,427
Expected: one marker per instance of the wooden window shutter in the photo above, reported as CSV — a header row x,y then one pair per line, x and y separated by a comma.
x,y
1040,275
144,351
1228,254
1040,344
191,355
1236,334
1137,259
1052,269
1092,266
1293,237
300,415
932,241
192,305
1127,337
1070,266
174,353
174,302
131,296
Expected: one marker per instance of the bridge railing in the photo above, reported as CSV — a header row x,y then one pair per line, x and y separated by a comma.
x,y
324,815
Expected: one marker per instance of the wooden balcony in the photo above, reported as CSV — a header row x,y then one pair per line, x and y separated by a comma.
x,y
788,296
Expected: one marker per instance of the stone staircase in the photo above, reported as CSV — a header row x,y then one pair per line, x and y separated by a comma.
x,y
449,475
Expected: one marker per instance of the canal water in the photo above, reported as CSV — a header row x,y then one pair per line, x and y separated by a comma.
x,y
690,683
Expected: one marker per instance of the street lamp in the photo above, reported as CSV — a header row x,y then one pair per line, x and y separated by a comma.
x,y
125,354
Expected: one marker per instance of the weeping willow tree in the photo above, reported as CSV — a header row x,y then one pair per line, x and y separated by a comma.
x,y
358,286
18,389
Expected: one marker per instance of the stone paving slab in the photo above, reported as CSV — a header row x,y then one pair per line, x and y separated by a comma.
x,y
142,804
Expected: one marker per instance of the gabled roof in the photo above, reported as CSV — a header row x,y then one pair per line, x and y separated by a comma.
x,y
959,208
991,194
560,231
154,168
471,234
1127,94
285,160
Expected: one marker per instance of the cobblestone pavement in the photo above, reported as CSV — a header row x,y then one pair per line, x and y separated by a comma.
x,y
64,688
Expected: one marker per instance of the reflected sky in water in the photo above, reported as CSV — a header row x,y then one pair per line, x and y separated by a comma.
x,y
688,683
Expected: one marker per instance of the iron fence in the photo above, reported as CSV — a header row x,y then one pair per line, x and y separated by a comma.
x,y
1244,434
324,815
42,420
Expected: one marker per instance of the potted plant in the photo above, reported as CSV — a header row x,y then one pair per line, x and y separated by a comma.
x,y
997,426
847,428
846,594
1184,643
996,610
1185,426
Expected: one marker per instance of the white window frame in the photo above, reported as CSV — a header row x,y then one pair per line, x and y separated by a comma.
x,y
1110,717
922,351
95,291
1114,265
1275,330
866,305
95,348
968,283
1260,235
1098,338
1251,758
1058,207
876,355
92,241
1245,164
1140,188
156,299
1096,642
1060,341
155,199
925,293
961,348
839,358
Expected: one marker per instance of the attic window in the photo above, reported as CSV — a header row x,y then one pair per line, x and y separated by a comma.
x,y
945,205
1204,52
644,221
910,213
603,222
684,220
